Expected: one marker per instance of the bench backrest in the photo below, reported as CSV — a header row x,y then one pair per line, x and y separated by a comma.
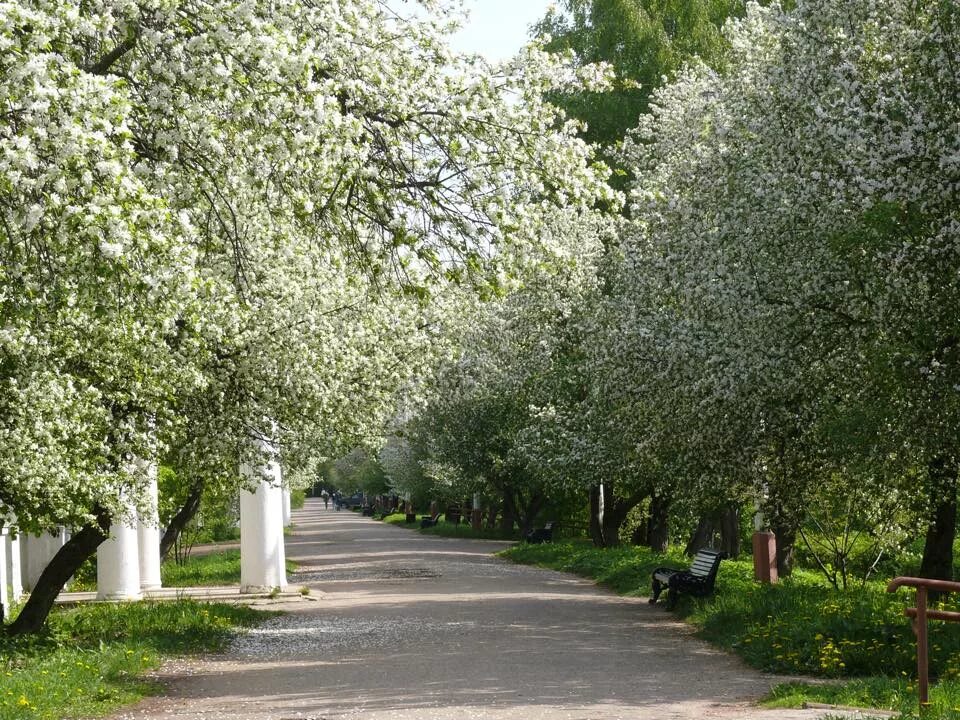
x,y
705,563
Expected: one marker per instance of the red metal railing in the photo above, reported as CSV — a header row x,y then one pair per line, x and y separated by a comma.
x,y
920,615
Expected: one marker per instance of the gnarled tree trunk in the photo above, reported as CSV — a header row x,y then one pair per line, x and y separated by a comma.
x,y
605,531
730,530
59,570
658,525
724,522
937,559
180,521
703,534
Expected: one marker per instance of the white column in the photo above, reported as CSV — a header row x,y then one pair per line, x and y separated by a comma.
x,y
14,575
262,557
148,533
286,507
118,562
36,553
4,580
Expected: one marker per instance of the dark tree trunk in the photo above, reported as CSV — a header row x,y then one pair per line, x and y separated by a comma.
x,y
730,530
55,575
596,531
180,521
606,533
703,534
937,559
509,513
658,525
529,512
786,535
613,518
492,517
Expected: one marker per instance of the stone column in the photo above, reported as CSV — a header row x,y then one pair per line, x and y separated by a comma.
x,y
14,574
118,562
286,507
148,533
36,551
262,556
4,580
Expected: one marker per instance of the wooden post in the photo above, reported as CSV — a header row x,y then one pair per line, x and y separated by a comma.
x,y
920,615
920,628
765,557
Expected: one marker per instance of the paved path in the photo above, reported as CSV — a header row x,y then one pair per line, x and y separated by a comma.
x,y
406,626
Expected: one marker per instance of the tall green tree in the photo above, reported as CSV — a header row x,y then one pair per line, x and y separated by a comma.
x,y
645,41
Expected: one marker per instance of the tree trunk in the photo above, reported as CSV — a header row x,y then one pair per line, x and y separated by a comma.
x,y
180,521
937,559
613,518
55,575
596,531
730,530
509,513
605,532
786,535
492,517
703,535
658,525
529,512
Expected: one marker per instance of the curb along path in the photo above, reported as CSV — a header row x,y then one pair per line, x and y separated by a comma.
x,y
412,626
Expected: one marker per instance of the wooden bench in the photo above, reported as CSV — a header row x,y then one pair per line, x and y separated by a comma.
x,y
696,580
541,535
429,520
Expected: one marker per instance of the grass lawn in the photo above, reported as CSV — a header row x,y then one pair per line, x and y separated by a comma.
x,y
91,658
801,626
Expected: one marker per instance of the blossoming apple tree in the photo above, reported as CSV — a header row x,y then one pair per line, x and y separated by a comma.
x,y
223,220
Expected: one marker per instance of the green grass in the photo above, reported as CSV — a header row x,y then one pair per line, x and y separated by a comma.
x,y
898,695
799,626
625,570
445,529
89,660
218,568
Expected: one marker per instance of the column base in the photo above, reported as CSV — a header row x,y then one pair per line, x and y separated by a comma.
x,y
257,589
121,597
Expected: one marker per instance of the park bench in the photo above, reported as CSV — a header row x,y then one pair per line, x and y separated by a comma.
x,y
540,535
696,580
429,520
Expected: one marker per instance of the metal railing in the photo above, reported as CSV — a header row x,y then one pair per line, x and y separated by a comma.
x,y
920,615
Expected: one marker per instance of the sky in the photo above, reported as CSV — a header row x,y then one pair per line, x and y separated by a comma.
x,y
498,28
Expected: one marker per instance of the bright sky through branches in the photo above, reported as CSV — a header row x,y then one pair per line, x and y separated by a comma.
x,y
498,28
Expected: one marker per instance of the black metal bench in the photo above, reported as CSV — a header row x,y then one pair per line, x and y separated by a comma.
x,y
541,535
696,580
429,520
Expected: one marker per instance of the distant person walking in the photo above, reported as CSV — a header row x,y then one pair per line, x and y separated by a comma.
x,y
326,500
